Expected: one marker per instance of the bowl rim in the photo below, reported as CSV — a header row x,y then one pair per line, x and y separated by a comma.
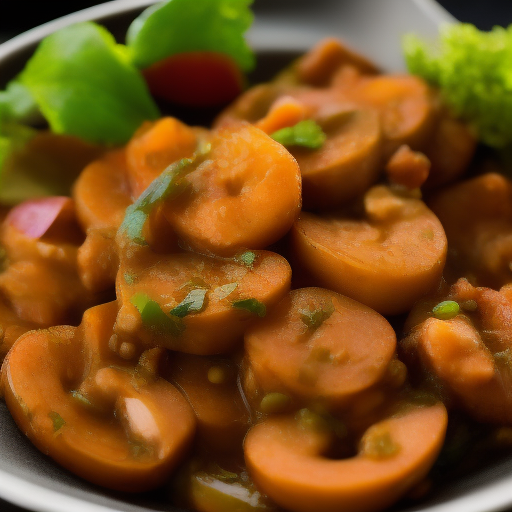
x,y
36,497
18,43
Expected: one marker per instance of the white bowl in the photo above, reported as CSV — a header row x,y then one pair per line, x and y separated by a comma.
x,y
374,27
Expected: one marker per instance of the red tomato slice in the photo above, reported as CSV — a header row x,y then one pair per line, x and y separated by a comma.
x,y
198,79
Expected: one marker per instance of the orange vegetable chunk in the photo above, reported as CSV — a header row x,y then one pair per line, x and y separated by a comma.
x,y
408,168
246,193
407,106
477,217
102,191
319,345
155,146
467,357
219,326
130,442
349,161
318,66
286,462
387,260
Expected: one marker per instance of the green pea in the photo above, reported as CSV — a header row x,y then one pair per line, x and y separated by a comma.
x,y
446,310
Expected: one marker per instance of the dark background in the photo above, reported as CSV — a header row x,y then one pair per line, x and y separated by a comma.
x,y
19,16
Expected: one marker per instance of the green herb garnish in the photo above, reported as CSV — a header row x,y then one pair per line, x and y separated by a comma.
x,y
84,85
58,421
180,26
446,310
192,303
252,305
247,258
306,133
154,318
313,319
472,68
168,184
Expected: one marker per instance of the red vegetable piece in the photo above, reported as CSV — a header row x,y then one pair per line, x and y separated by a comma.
x,y
198,79
35,217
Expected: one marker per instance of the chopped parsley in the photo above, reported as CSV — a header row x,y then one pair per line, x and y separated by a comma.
x,y
154,318
313,319
168,184
58,421
247,258
252,305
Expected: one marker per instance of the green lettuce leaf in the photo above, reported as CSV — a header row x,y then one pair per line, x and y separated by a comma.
x,y
168,184
179,26
473,70
84,85
154,318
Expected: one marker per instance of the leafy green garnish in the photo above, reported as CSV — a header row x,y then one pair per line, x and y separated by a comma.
x,y
58,421
192,303
446,310
84,85
168,184
473,70
252,305
306,133
313,319
247,258
154,318
179,26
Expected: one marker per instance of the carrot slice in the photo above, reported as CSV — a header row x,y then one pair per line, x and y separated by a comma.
x,y
386,261
132,446
347,164
317,344
407,106
154,147
477,217
245,194
318,66
217,325
285,461
102,192
467,355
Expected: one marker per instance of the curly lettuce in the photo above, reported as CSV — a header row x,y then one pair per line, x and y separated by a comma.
x,y
473,70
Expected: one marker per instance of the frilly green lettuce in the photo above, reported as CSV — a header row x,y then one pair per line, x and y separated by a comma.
x,y
473,70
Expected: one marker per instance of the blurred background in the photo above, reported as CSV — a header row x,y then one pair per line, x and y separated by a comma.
x,y
483,13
